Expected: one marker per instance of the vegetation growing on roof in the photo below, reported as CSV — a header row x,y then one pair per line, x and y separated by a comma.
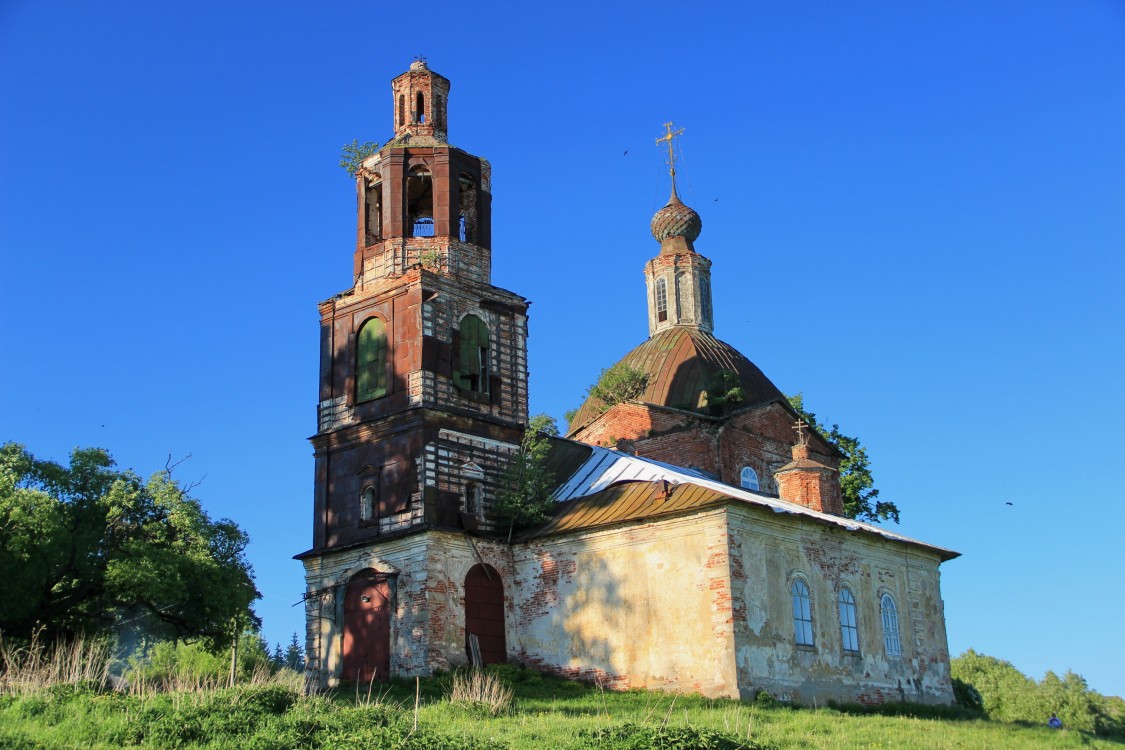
x,y
353,154
614,385
861,499
724,393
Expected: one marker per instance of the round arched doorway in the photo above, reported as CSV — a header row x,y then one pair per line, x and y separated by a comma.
x,y
484,614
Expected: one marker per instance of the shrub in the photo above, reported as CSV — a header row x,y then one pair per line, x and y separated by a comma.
x,y
637,737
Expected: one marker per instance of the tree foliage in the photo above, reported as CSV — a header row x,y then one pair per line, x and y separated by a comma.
x,y
614,385
619,383
725,393
525,499
85,547
1006,694
861,499
353,154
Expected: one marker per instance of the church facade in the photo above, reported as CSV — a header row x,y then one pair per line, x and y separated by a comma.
x,y
698,541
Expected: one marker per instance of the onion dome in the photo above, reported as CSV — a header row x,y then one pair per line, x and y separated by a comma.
x,y
690,369
676,220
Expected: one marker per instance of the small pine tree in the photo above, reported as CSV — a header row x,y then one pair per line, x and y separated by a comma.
x,y
295,655
277,659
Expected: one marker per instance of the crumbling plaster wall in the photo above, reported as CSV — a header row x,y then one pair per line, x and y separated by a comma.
x,y
768,550
406,561
427,573
640,606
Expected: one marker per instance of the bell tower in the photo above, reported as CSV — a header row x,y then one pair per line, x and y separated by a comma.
x,y
421,201
423,366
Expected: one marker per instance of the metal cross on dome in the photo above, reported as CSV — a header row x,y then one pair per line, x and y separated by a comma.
x,y
671,154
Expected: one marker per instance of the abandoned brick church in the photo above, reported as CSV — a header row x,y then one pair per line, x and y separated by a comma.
x,y
736,575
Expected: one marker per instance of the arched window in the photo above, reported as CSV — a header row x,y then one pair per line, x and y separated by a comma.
x,y
749,479
420,112
802,613
374,216
705,300
371,361
436,114
467,189
472,497
471,348
849,629
368,504
401,110
661,300
420,202
891,641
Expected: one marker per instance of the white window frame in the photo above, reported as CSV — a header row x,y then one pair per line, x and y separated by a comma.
x,y
849,624
802,613
753,483
892,638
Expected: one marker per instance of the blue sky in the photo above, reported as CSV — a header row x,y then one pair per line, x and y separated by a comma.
x,y
914,210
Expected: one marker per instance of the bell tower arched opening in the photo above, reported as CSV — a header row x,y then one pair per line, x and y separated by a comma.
x,y
420,202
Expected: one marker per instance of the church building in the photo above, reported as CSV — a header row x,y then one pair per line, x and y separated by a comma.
x,y
698,541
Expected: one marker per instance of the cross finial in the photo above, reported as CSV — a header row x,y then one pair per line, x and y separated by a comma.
x,y
802,438
668,136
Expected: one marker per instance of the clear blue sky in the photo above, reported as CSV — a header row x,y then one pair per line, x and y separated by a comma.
x,y
916,213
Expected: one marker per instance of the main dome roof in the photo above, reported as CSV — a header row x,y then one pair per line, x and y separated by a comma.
x,y
683,364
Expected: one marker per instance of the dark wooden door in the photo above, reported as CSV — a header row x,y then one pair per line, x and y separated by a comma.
x,y
484,613
367,628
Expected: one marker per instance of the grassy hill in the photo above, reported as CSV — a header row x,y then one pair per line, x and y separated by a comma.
x,y
540,713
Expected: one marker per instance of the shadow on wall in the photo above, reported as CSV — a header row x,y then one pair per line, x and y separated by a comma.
x,y
571,615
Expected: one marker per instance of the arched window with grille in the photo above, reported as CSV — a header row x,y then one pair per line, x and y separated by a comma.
x,y
891,640
371,361
849,627
802,613
749,479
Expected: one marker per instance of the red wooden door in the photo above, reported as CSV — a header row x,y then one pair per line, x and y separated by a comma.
x,y
484,613
367,628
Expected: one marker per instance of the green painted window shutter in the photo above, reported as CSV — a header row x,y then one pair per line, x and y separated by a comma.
x,y
472,349
371,361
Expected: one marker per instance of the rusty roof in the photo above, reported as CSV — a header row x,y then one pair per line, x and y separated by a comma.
x,y
682,363
611,487
628,500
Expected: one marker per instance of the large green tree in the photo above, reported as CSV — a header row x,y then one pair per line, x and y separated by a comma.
x,y
861,499
87,547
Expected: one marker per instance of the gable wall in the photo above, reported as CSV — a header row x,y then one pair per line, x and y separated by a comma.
x,y
768,550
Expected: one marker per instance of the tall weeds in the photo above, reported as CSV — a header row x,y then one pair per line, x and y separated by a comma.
x,y
37,666
478,689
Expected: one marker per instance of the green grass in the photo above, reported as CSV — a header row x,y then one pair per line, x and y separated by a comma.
x,y
546,714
